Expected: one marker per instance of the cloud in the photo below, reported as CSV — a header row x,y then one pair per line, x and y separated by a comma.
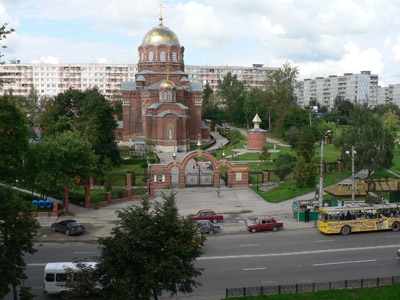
x,y
322,38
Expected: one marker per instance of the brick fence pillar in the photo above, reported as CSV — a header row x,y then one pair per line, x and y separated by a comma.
x,y
265,176
128,179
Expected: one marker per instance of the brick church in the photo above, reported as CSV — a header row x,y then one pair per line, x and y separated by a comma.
x,y
162,104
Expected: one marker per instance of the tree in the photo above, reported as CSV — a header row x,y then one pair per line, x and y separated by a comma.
x,y
281,85
4,32
285,164
88,113
59,158
341,111
256,102
374,145
83,281
305,169
265,154
13,140
18,227
296,117
153,249
207,92
292,136
234,136
230,89
305,173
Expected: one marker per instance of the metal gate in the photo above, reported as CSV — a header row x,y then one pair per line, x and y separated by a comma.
x,y
200,177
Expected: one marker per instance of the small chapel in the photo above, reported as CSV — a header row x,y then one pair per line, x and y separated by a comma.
x,y
162,104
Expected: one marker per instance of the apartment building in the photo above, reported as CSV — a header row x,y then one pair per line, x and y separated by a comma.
x,y
254,76
52,79
358,88
389,94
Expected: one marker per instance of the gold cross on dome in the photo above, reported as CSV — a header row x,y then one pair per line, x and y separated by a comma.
x,y
161,7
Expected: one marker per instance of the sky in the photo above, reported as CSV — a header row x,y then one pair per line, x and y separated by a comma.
x,y
319,37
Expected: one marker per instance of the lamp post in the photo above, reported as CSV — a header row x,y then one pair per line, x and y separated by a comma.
x,y
257,170
321,171
353,152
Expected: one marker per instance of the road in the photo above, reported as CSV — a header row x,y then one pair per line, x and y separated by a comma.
x,y
268,258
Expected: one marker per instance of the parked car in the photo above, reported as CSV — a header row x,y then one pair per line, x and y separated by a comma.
x,y
207,226
264,223
207,214
69,227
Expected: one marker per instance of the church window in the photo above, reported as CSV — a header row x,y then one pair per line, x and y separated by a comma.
x,y
126,102
197,102
162,56
151,56
174,56
174,96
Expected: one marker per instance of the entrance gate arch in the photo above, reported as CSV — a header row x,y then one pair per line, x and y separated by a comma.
x,y
237,174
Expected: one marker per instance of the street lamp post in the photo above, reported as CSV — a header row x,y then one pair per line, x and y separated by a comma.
x,y
353,152
257,170
321,171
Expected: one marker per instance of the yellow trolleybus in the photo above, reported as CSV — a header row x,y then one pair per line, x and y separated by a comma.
x,y
358,218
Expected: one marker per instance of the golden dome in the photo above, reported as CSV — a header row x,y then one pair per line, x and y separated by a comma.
x,y
167,83
160,35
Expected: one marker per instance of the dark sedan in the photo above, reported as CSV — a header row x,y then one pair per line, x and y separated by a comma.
x,y
69,227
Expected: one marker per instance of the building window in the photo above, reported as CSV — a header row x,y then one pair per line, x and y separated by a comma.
x,y
174,56
126,102
197,102
162,56
151,56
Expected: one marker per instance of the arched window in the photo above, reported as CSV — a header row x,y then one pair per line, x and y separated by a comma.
x,y
151,56
174,56
163,56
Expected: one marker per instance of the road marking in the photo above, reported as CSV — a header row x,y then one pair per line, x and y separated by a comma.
x,y
298,253
344,262
250,245
254,269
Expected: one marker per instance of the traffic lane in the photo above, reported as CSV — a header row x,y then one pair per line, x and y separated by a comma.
x,y
300,267
276,242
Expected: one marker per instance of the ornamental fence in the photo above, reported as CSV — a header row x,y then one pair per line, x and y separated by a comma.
x,y
311,287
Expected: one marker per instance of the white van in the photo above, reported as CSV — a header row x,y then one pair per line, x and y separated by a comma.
x,y
55,276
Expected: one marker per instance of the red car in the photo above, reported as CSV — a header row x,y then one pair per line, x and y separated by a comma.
x,y
264,223
207,214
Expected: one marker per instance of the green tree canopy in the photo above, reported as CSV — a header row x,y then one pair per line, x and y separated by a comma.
x,y
281,85
296,117
152,250
230,89
18,227
88,113
13,140
374,145
59,158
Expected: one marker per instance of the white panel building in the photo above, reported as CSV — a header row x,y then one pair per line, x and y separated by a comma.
x,y
358,88
52,79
